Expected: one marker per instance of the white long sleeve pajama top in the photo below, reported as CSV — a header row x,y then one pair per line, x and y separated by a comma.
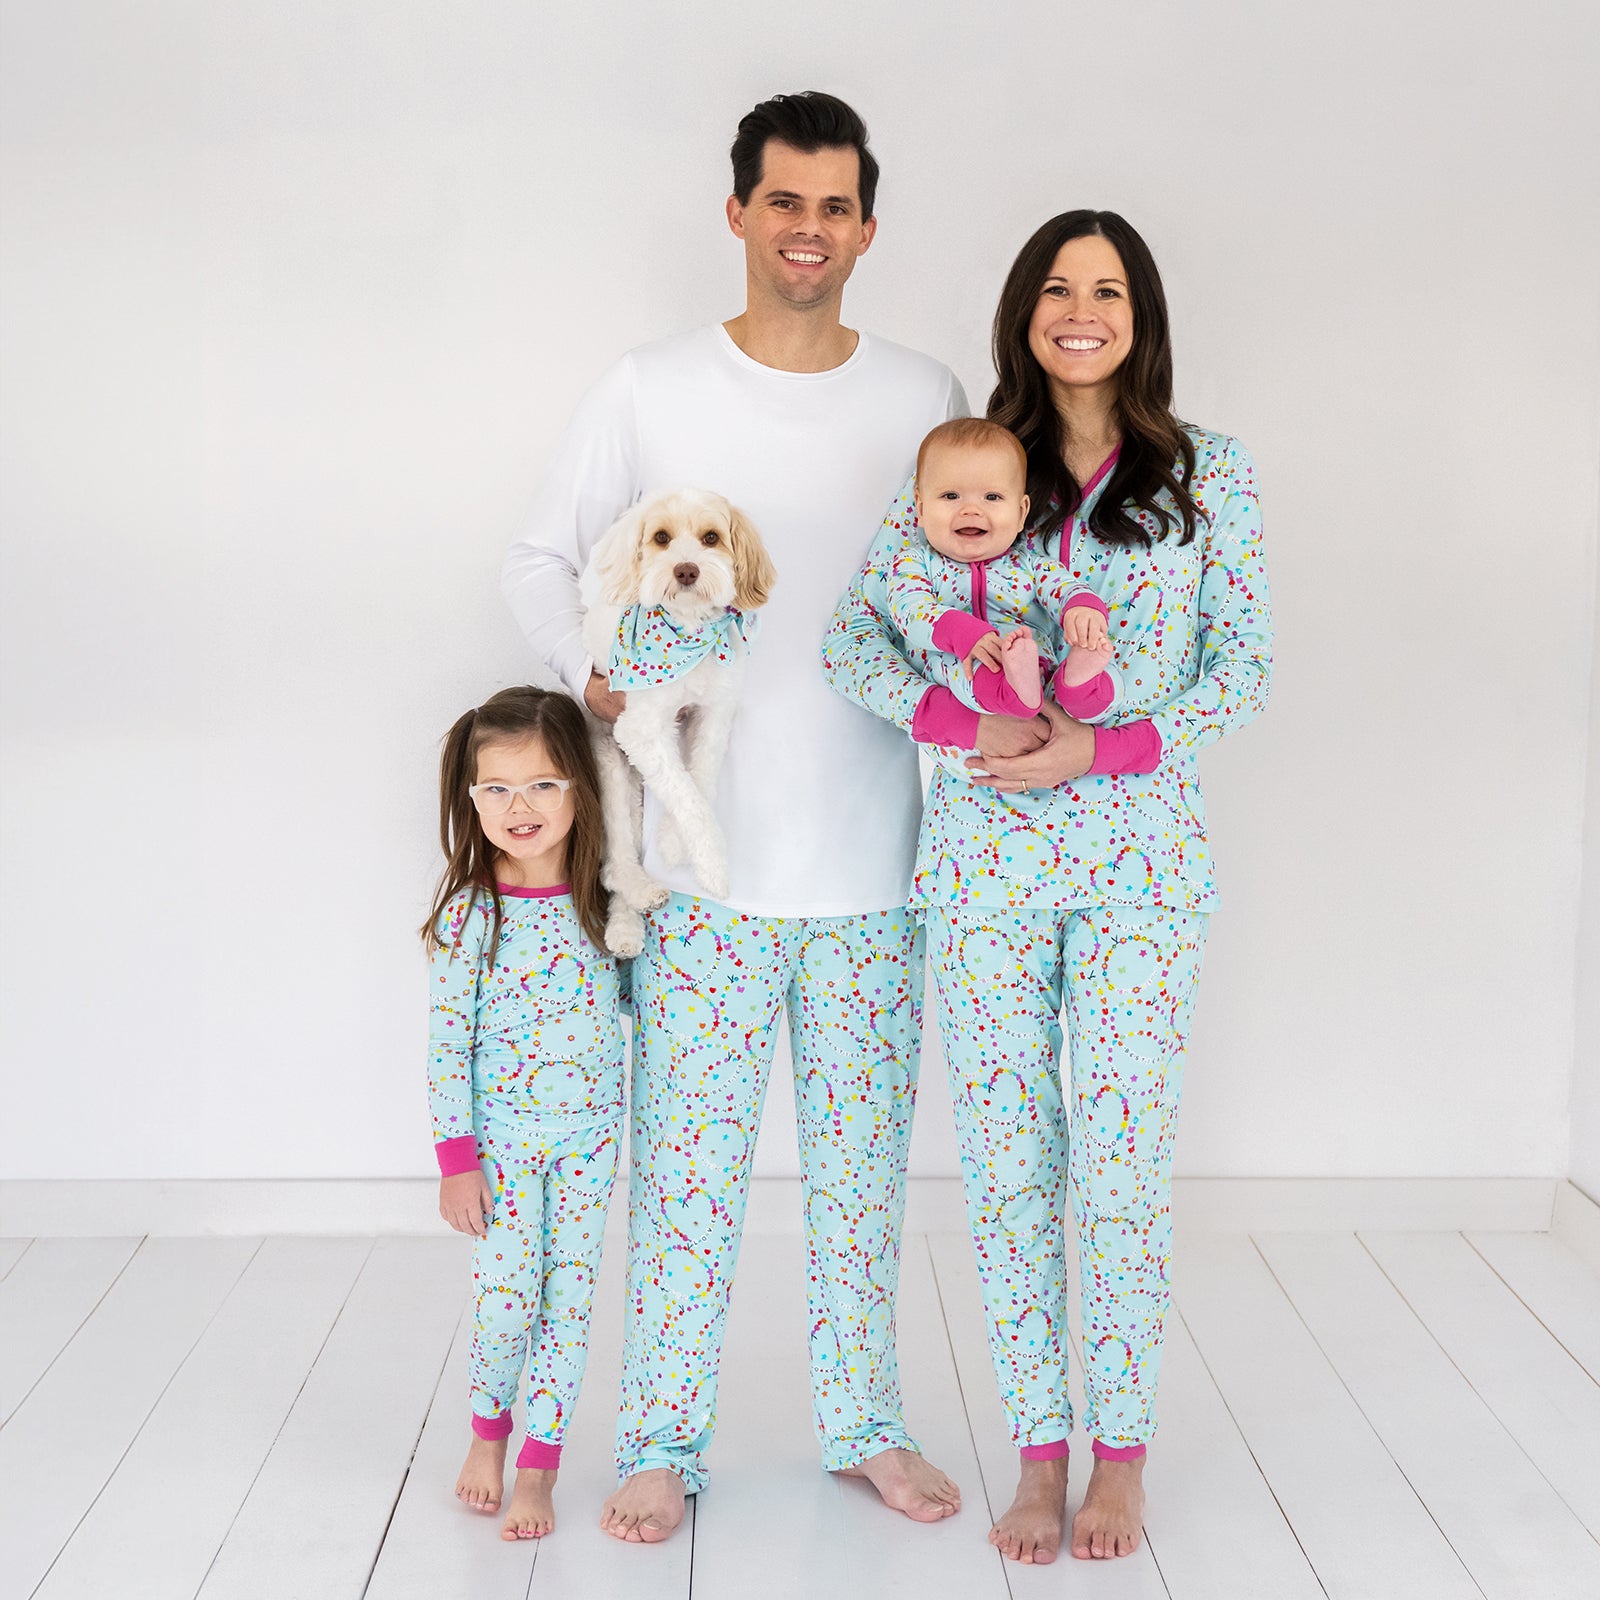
x,y
818,799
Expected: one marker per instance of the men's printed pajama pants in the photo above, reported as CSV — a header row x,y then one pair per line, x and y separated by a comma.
x,y
710,988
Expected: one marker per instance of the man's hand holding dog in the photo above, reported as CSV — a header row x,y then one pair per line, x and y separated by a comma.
x,y
598,695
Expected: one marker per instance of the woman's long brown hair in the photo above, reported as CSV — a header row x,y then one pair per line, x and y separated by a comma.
x,y
519,713
1154,444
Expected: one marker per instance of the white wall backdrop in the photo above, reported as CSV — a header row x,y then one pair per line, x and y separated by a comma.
x,y
1584,1166
297,295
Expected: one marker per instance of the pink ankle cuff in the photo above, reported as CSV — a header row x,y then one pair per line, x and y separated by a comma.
x,y
491,1427
991,690
1087,699
1045,1452
536,1453
1109,1452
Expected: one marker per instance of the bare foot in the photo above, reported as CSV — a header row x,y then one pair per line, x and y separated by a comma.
x,y
1108,1521
1019,660
905,1482
646,1507
483,1475
1031,1531
532,1512
1083,666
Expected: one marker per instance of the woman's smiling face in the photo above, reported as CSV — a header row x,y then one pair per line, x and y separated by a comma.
x,y
1082,326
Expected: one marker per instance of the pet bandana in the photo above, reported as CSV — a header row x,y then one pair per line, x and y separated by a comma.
x,y
650,649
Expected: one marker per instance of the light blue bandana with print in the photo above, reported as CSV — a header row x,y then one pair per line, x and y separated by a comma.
x,y
650,649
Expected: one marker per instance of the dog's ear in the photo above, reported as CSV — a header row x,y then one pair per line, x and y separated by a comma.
x,y
618,557
753,574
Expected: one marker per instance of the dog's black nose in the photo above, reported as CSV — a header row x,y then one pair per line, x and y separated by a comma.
x,y
687,574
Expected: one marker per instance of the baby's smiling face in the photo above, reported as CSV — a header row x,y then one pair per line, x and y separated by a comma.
x,y
970,499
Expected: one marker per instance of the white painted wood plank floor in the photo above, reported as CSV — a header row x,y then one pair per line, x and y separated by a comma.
x,y
1382,1417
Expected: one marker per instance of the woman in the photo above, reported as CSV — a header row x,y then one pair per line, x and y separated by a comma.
x,y
1073,870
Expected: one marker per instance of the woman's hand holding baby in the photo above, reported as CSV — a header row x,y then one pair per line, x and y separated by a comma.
x,y
465,1202
1067,753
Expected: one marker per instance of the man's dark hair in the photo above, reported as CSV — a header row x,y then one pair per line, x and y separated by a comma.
x,y
810,121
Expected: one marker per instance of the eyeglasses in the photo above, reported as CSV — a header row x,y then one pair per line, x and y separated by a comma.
x,y
543,794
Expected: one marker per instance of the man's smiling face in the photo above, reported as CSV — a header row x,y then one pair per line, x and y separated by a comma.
x,y
802,226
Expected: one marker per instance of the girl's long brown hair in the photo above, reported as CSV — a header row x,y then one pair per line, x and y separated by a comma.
x,y
1153,441
519,713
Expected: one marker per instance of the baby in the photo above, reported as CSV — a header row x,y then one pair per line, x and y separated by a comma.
x,y
975,576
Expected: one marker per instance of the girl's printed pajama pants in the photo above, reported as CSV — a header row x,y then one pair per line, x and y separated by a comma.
x,y
534,1270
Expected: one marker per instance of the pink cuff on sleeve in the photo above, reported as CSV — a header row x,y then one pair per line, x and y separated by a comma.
x,y
959,631
1134,747
1088,599
942,719
457,1155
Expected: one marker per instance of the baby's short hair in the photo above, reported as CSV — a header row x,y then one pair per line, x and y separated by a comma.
x,y
963,432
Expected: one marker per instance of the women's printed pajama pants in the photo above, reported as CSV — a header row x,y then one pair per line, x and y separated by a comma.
x,y
710,988
1127,976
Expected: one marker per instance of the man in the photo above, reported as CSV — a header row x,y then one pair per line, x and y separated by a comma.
x,y
811,428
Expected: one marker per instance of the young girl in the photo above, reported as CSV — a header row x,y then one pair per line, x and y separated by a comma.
x,y
974,567
525,1071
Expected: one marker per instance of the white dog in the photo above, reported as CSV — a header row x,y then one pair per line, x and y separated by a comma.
x,y
669,593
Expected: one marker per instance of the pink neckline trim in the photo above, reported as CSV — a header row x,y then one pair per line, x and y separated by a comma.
x,y
533,894
1096,478
1099,474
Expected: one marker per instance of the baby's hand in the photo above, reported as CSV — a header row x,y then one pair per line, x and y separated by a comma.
x,y
985,653
1084,627
465,1202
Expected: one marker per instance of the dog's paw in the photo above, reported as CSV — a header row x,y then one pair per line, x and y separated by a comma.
x,y
711,873
624,930
637,890
669,843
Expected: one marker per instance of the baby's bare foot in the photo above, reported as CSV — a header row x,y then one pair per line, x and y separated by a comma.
x,y
646,1507
1019,660
1030,1531
531,1514
1109,1520
483,1476
905,1482
1083,666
